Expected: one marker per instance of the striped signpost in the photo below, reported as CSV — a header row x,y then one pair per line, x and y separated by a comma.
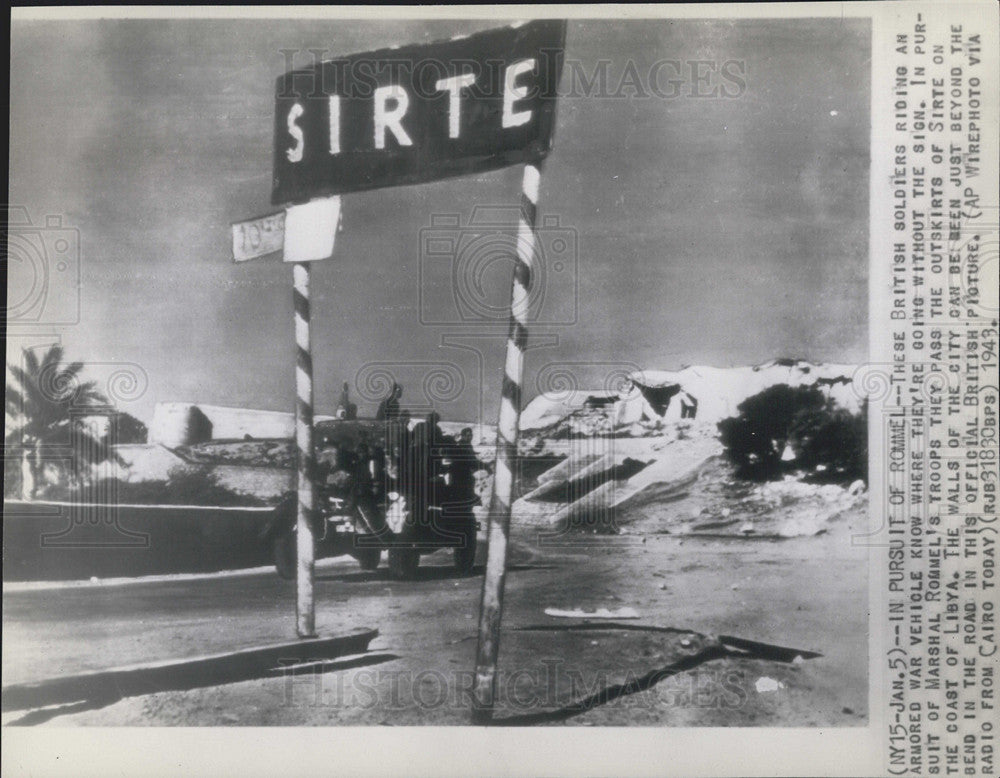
x,y
491,605
306,234
305,609
309,236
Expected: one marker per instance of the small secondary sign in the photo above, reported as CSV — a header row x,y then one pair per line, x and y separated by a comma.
x,y
258,237
417,113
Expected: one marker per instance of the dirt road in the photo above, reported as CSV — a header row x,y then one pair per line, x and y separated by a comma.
x,y
808,594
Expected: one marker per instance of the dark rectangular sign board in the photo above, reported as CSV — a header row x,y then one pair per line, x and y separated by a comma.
x,y
417,113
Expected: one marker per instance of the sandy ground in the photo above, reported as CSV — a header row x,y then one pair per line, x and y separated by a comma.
x,y
806,593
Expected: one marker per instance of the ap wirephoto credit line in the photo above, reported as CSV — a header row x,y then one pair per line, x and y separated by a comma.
x,y
502,390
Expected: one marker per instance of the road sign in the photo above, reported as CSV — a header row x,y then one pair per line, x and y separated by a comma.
x,y
417,113
258,237
407,116
310,229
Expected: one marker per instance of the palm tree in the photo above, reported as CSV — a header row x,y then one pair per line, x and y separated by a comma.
x,y
45,409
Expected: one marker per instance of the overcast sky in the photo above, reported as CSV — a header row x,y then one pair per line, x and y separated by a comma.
x,y
707,230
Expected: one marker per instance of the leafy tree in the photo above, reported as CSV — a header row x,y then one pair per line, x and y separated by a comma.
x,y
833,443
827,440
755,439
45,405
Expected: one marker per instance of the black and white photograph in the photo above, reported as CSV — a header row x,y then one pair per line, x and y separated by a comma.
x,y
501,372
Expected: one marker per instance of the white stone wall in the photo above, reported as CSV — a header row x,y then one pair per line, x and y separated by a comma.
x,y
170,423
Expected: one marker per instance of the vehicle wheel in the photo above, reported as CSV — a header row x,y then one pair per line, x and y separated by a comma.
x,y
403,562
368,558
286,555
465,555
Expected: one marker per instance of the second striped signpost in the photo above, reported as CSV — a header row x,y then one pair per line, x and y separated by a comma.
x,y
491,606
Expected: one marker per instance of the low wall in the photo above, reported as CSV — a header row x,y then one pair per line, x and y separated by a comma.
x,y
61,540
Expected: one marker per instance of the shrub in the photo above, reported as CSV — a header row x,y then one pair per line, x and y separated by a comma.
x,y
125,428
756,438
829,441
12,486
832,443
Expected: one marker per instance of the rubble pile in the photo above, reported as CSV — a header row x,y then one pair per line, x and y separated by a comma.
x,y
666,423
255,453
778,509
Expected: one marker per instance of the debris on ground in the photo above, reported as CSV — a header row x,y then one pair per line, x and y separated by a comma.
x,y
600,613
765,685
